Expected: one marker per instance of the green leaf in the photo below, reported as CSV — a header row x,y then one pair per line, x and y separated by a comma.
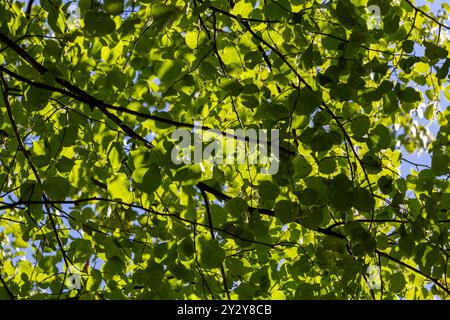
x,y
308,57
155,276
267,190
379,138
192,39
148,179
233,87
385,184
391,23
360,126
362,241
397,282
114,156
188,175
237,207
119,188
168,70
345,13
371,163
434,51
406,244
242,8
113,266
408,95
81,250
312,217
186,248
342,193
286,211
308,196
218,215
98,23
65,164
327,165
440,164
408,46
212,254
305,101
37,98
70,136
363,200
302,168
276,10
114,7
57,188
230,55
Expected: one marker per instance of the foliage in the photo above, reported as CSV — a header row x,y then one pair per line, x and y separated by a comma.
x,y
88,185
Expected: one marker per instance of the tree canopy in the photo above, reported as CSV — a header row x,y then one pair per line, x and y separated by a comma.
x,y
92,91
